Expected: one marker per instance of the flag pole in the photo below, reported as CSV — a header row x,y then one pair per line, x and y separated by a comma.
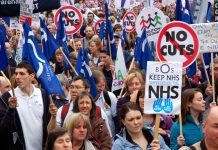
x,y
68,61
205,70
130,67
12,82
213,82
180,123
109,44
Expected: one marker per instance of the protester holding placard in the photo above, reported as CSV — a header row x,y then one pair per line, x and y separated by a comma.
x,y
149,119
192,107
134,135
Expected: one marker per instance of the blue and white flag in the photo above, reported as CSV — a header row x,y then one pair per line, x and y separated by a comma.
x,y
39,63
83,69
101,31
61,37
143,52
49,43
3,54
110,35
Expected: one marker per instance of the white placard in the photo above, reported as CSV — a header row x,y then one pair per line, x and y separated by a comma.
x,y
208,37
163,88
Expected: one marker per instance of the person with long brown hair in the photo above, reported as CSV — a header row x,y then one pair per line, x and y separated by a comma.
x,y
192,108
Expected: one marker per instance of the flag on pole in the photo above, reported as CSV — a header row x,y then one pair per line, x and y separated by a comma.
x,y
62,39
143,52
3,54
39,63
83,69
120,70
49,43
110,35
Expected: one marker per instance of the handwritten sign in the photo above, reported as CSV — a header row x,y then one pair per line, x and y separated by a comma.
x,y
208,37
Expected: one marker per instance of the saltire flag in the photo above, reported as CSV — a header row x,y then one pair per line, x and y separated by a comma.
x,y
124,35
110,35
83,69
49,43
120,70
61,37
101,31
39,63
3,54
186,16
143,52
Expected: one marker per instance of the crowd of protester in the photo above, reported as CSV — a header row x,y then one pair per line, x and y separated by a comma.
x,y
31,120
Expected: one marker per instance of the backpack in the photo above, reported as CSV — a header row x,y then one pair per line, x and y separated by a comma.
x,y
65,110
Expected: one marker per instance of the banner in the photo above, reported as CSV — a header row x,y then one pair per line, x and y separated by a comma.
x,y
163,88
42,5
208,37
9,8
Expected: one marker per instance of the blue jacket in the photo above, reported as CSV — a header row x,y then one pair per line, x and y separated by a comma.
x,y
124,141
191,132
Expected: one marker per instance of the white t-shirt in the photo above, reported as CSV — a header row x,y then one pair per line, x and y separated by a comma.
x,y
30,111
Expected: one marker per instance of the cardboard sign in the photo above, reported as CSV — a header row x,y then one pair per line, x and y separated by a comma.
x,y
163,88
208,37
151,19
129,18
98,25
73,19
177,41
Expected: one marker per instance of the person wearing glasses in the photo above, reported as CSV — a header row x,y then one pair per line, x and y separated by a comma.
x,y
78,85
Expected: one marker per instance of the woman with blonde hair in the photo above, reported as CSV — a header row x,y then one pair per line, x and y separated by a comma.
x,y
134,81
80,129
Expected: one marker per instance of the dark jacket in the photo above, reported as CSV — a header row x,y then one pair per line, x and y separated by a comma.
x,y
101,134
120,103
10,124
